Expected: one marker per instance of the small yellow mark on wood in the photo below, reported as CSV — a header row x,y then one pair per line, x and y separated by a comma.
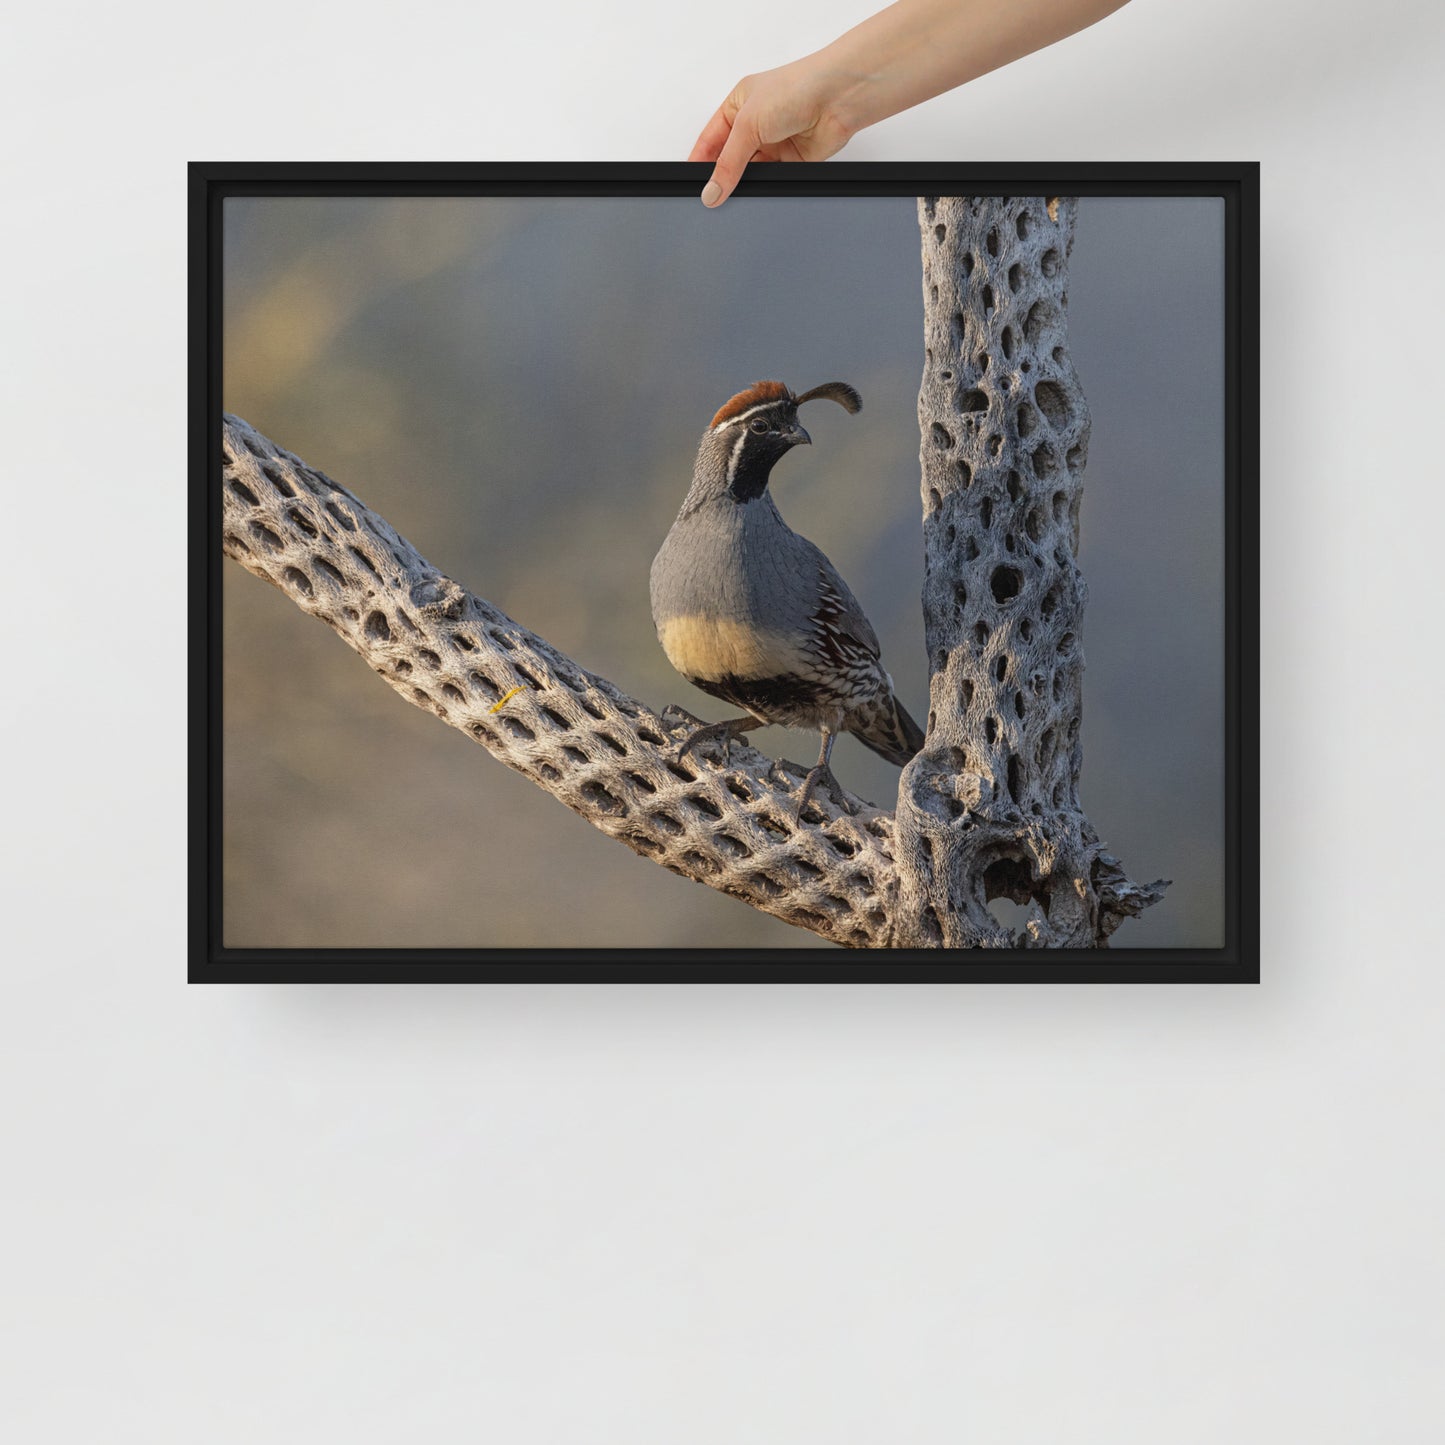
x,y
505,698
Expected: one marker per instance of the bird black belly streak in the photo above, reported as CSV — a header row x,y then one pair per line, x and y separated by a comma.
x,y
791,701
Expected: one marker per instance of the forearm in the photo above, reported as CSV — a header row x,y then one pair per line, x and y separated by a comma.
x,y
917,49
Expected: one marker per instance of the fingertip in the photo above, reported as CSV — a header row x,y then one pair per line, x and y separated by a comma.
x,y
712,194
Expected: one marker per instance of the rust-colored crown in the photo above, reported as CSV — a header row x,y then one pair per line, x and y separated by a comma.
x,y
755,395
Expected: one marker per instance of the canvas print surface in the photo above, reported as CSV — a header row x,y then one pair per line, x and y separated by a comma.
x,y
529,390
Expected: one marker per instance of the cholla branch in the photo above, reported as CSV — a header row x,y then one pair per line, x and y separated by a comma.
x,y
990,808
605,755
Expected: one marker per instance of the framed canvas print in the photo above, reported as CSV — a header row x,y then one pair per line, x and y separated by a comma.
x,y
855,583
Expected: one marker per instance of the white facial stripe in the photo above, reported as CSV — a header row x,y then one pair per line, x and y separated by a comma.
x,y
744,415
736,453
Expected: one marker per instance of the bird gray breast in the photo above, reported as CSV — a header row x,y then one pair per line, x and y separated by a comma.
x,y
734,590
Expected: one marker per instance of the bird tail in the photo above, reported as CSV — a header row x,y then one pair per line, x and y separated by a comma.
x,y
886,727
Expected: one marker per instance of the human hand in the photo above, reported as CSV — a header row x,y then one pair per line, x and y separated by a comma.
x,y
908,53
787,114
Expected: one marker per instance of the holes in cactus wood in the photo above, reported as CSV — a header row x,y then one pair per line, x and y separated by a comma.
x,y
968,263
1049,263
1045,462
1034,524
738,789
1042,315
935,500
266,537
965,693
1020,706
340,517
995,446
1000,667
241,490
985,512
1027,420
734,847
611,743
939,233
555,718
1015,277
1023,225
299,580
981,634
638,781
277,478
1005,583
970,549
332,574
484,685
1006,341
429,657
1051,601
1015,487
574,755
1051,399
960,596
703,805
451,691
365,562
990,730
600,798
650,735
988,301
1074,460
377,628
941,437
973,400
991,242
1066,644
681,771
1015,778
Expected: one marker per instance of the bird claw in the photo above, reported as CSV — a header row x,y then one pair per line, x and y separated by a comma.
x,y
704,734
823,774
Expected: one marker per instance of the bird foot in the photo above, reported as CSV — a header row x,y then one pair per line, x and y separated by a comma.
x,y
823,774
723,730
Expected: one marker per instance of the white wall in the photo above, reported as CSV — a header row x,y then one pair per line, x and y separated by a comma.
x,y
741,1215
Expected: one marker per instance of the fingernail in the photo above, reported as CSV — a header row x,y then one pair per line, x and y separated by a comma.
x,y
711,193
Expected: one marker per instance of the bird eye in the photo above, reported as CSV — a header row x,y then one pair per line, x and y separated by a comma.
x,y
757,424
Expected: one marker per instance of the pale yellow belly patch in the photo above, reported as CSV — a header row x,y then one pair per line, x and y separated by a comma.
x,y
716,647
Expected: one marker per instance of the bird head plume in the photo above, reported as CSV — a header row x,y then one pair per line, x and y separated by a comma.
x,y
750,432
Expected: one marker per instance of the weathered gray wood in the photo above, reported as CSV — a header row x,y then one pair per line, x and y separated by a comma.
x,y
990,808
605,755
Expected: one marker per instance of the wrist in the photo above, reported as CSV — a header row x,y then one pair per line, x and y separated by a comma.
x,y
843,91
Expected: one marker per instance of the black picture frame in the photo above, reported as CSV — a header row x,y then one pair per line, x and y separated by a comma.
x,y
1237,184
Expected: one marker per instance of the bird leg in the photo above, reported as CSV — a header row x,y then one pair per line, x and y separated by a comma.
x,y
824,774
723,730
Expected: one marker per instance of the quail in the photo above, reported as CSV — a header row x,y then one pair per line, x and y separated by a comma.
x,y
752,613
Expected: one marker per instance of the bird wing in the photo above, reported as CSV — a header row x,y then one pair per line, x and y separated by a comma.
x,y
841,630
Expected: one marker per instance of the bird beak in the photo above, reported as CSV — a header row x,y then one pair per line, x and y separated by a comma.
x,y
797,436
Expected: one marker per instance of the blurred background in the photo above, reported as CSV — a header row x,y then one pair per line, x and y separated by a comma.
x,y
519,388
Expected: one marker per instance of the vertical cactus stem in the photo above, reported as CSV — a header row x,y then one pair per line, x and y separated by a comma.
x,y
990,808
